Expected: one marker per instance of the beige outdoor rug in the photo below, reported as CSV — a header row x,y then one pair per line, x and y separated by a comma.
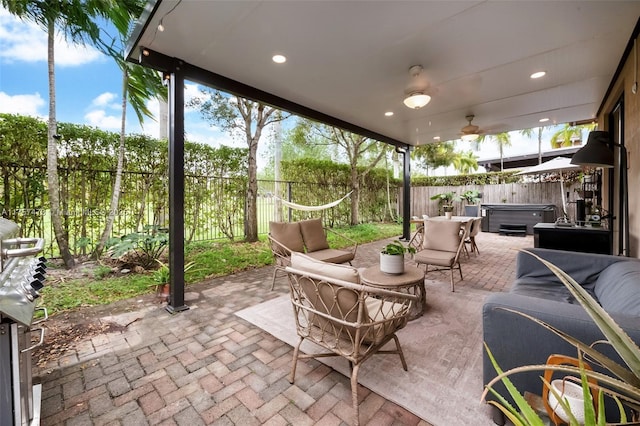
x,y
443,349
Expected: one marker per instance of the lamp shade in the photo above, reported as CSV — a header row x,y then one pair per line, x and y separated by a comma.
x,y
596,153
469,137
417,100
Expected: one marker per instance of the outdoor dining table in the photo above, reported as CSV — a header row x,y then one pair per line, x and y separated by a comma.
x,y
462,219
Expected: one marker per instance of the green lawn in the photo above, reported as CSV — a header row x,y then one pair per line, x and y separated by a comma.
x,y
211,259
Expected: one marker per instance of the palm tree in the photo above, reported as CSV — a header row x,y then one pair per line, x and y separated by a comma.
x,y
564,136
74,19
502,140
529,132
465,162
139,84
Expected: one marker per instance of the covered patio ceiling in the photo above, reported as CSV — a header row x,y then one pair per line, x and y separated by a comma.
x,y
350,60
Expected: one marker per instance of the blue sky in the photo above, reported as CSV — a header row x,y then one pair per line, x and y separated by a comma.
x,y
88,90
88,85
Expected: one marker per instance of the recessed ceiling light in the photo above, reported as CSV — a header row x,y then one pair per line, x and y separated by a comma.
x,y
279,59
436,138
388,113
538,74
543,120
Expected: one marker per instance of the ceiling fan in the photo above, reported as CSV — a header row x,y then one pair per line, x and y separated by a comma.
x,y
470,132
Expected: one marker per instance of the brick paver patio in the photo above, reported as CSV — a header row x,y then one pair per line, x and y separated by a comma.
x,y
206,366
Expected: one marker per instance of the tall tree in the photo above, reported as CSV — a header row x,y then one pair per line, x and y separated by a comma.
x,y
569,132
433,155
139,85
362,153
74,19
298,143
529,132
502,140
247,118
465,162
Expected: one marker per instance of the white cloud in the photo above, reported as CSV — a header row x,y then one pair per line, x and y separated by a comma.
x,y
21,104
100,119
22,41
105,99
149,127
215,140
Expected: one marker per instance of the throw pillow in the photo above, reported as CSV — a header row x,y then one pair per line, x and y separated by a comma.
x,y
313,234
618,288
288,234
330,270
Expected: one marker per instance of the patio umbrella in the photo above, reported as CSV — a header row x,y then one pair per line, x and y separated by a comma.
x,y
558,164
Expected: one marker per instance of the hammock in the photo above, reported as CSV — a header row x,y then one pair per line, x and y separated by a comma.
x,y
311,208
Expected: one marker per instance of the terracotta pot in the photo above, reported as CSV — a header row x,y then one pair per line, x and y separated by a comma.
x,y
163,292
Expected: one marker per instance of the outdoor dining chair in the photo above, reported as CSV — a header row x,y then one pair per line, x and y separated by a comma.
x,y
442,242
466,233
471,240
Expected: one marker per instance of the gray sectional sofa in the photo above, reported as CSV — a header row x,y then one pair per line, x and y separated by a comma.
x,y
516,341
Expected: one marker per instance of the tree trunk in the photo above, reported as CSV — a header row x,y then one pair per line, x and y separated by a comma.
x,y
117,183
539,145
251,210
355,195
52,157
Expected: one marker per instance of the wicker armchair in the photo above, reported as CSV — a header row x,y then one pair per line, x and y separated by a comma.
x,y
306,236
348,319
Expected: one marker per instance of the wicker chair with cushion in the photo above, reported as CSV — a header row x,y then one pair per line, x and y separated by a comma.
x,y
346,318
306,236
442,242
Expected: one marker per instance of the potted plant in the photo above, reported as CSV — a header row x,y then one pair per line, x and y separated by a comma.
x,y
471,198
392,257
445,202
161,280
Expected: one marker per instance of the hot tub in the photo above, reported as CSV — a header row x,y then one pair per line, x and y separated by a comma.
x,y
528,215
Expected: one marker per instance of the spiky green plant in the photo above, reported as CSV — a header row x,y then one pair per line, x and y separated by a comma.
x,y
623,384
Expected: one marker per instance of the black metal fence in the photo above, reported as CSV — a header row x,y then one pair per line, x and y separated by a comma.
x,y
214,206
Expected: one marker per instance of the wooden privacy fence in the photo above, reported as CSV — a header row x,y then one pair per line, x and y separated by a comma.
x,y
510,193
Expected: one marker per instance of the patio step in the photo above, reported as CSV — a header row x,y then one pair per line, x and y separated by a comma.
x,y
513,229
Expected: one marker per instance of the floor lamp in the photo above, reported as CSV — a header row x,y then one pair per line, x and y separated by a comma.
x,y
598,152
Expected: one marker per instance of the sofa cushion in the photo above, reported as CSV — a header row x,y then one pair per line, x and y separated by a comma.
x,y
330,270
435,257
332,255
545,289
618,288
287,234
313,234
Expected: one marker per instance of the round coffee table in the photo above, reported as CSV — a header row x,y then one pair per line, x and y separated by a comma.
x,y
410,282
